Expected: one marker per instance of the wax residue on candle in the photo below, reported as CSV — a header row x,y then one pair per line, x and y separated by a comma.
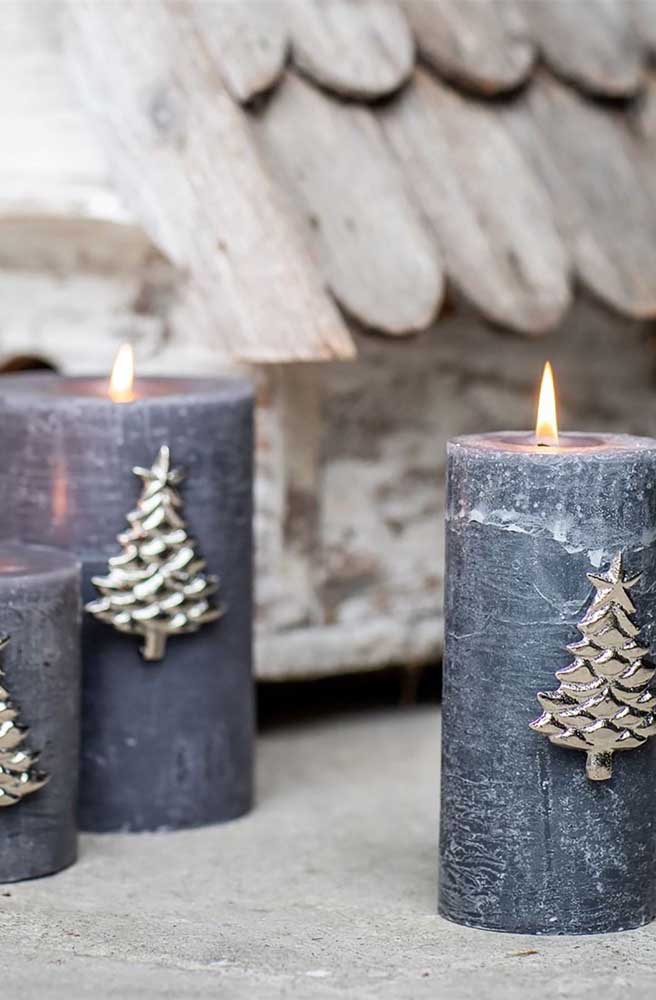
x,y
59,493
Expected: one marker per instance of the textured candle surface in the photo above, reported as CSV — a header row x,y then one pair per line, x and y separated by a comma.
x,y
168,743
40,611
528,843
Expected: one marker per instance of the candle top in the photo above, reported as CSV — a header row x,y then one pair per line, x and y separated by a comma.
x,y
50,386
19,561
570,443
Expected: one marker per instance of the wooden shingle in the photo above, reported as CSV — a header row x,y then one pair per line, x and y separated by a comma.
x,y
483,47
376,255
493,220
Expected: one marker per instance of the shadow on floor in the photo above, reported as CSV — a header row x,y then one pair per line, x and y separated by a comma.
x,y
282,704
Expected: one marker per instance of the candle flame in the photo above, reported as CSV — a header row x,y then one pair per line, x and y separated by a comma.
x,y
122,379
546,425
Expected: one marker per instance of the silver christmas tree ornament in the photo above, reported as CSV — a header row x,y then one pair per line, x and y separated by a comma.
x,y
17,775
156,587
603,703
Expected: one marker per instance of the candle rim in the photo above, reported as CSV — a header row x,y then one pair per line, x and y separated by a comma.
x,y
30,384
601,444
23,561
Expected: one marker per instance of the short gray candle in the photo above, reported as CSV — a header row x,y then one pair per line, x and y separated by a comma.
x,y
528,843
165,744
40,663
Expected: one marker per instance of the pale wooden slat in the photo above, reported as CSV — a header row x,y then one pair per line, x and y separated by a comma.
x,y
591,164
378,260
483,46
186,163
493,220
248,42
51,164
592,43
358,48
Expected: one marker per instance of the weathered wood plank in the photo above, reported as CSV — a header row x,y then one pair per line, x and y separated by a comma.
x,y
51,164
376,256
493,221
484,47
593,44
186,162
591,165
361,49
247,41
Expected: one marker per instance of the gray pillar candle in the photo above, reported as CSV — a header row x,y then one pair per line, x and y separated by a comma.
x,y
528,843
165,744
39,710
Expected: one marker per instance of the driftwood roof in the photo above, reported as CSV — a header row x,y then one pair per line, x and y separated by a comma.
x,y
288,156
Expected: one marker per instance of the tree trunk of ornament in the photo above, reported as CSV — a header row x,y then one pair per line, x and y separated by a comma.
x,y
154,646
599,766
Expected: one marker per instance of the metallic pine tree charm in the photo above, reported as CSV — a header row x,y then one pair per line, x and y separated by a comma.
x,y
156,587
603,703
17,777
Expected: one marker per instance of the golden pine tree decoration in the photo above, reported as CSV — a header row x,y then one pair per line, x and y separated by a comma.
x,y
603,703
17,775
156,587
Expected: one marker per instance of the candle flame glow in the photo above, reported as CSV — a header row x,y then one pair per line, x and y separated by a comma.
x,y
546,425
122,379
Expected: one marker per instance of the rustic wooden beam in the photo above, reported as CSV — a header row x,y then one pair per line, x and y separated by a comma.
x,y
186,163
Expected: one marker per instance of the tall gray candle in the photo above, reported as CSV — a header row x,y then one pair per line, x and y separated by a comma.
x,y
549,835
166,742
39,710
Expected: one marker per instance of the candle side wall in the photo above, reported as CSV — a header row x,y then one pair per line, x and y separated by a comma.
x,y
41,670
528,844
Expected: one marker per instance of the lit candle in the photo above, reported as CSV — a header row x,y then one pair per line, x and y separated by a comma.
x,y
165,744
557,834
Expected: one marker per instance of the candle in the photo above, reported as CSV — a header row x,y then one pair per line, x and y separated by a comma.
x,y
558,834
39,710
166,742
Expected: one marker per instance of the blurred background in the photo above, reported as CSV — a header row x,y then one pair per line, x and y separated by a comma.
x,y
389,214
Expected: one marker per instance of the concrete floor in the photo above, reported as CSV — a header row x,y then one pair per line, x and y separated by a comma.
x,y
326,891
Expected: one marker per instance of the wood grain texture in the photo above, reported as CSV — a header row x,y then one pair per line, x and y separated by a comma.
x,y
51,164
590,162
378,260
484,47
592,44
186,163
361,49
247,41
493,220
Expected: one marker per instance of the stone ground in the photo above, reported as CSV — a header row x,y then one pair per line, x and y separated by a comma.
x,y
326,891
